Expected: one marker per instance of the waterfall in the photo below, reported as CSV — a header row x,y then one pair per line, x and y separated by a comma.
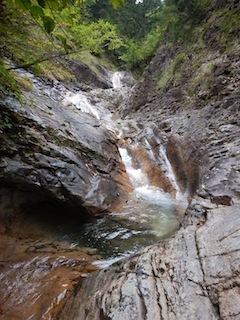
x,y
137,177
100,103
150,213
170,173
117,79
80,101
148,204
182,199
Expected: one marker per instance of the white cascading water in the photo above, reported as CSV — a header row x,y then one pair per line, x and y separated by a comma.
x,y
137,177
149,214
182,199
170,173
81,102
117,79
149,204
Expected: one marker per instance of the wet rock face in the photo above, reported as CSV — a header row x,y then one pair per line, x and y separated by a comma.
x,y
58,168
86,76
37,271
194,275
57,164
62,152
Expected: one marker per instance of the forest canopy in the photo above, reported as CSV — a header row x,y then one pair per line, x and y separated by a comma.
x,y
126,32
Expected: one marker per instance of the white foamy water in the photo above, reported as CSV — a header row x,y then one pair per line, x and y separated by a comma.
x,y
153,195
181,198
137,176
148,205
81,102
149,214
117,79
170,173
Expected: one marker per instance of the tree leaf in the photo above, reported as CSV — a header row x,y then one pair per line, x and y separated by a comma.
x,y
42,3
54,5
65,3
9,3
24,5
36,11
48,24
121,3
117,3
66,46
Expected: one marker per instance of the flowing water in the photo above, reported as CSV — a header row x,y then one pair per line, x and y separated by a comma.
x,y
149,214
45,255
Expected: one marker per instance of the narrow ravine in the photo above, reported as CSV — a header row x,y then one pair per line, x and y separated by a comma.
x,y
150,214
50,245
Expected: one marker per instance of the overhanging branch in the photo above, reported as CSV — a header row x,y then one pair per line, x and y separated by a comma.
x,y
27,65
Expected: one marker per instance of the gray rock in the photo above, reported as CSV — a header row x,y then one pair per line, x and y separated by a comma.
x,y
62,152
195,274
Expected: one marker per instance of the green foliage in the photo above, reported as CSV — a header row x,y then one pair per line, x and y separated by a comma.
x,y
166,75
178,18
48,24
171,72
178,61
7,80
132,55
57,70
192,11
202,78
134,20
28,45
136,54
230,27
117,3
129,36
11,83
142,25
96,36
40,10
36,12
25,83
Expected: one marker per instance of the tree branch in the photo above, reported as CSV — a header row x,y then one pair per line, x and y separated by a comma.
x,y
27,65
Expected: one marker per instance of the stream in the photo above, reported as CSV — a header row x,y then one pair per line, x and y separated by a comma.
x,y
45,255
149,215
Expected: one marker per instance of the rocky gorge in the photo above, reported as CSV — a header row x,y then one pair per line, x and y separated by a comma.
x,y
60,162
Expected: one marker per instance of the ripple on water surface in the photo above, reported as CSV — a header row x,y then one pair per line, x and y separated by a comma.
x,y
148,216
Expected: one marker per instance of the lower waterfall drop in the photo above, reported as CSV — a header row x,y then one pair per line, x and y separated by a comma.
x,y
149,204
148,216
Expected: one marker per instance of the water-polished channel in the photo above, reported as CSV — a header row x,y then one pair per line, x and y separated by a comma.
x,y
46,250
149,215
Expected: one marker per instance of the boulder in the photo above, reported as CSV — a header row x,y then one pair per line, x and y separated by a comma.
x,y
61,153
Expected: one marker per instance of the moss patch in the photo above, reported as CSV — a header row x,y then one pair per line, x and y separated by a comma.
x,y
7,79
57,69
172,71
202,78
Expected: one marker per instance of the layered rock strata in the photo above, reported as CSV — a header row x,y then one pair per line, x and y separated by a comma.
x,y
60,153
57,163
195,274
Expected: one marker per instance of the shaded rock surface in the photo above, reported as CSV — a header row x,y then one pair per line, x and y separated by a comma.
x,y
58,166
85,76
37,270
60,151
195,275
189,104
